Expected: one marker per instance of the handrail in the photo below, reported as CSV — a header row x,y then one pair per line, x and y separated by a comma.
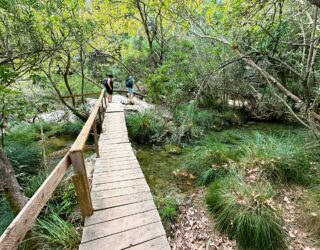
x,y
83,136
22,223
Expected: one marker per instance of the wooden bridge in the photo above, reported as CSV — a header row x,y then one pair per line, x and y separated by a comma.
x,y
117,206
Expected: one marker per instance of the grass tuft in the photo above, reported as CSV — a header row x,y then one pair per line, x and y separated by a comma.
x,y
58,232
246,213
280,159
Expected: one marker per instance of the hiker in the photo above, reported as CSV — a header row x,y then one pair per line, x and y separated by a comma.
x,y
108,83
129,85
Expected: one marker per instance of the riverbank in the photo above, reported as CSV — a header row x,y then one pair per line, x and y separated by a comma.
x,y
182,179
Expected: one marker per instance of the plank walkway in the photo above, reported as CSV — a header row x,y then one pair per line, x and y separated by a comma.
x,y
125,216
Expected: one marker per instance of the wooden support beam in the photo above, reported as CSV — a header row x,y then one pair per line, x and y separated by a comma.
x,y
80,181
100,120
95,135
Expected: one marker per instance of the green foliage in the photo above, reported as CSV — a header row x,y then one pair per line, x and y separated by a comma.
x,y
282,159
34,183
65,199
246,213
57,231
6,215
145,127
192,122
25,159
209,175
168,210
62,128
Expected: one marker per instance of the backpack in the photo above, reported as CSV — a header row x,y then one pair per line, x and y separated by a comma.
x,y
129,82
105,81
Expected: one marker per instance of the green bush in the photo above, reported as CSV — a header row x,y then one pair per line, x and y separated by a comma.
x,y
246,213
282,159
25,158
210,161
60,233
192,122
23,133
203,157
62,128
145,127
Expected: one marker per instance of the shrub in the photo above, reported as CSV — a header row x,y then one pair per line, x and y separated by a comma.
x,y
191,121
25,158
145,127
61,128
212,155
203,157
246,213
57,231
280,159
23,133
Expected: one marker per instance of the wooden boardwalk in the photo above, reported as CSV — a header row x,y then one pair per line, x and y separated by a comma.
x,y
125,216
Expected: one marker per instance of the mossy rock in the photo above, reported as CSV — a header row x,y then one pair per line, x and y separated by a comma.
x,y
172,149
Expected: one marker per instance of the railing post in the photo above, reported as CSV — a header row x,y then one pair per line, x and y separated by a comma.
x,y
80,181
105,100
100,120
95,135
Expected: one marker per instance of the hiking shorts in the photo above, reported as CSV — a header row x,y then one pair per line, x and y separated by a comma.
x,y
130,90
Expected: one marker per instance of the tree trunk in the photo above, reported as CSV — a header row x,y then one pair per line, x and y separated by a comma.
x,y
65,77
10,185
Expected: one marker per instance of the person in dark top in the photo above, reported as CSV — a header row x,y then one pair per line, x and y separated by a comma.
x,y
108,83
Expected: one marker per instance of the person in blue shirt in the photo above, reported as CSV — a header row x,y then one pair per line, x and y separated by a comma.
x,y
129,85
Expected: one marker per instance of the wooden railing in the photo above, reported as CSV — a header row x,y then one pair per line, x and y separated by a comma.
x,y
23,222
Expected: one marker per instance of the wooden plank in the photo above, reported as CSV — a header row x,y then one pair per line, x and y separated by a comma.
x,y
120,184
119,225
116,168
118,157
160,243
126,239
83,136
120,200
107,153
24,220
118,173
119,191
125,144
118,212
117,141
114,162
104,178
106,147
